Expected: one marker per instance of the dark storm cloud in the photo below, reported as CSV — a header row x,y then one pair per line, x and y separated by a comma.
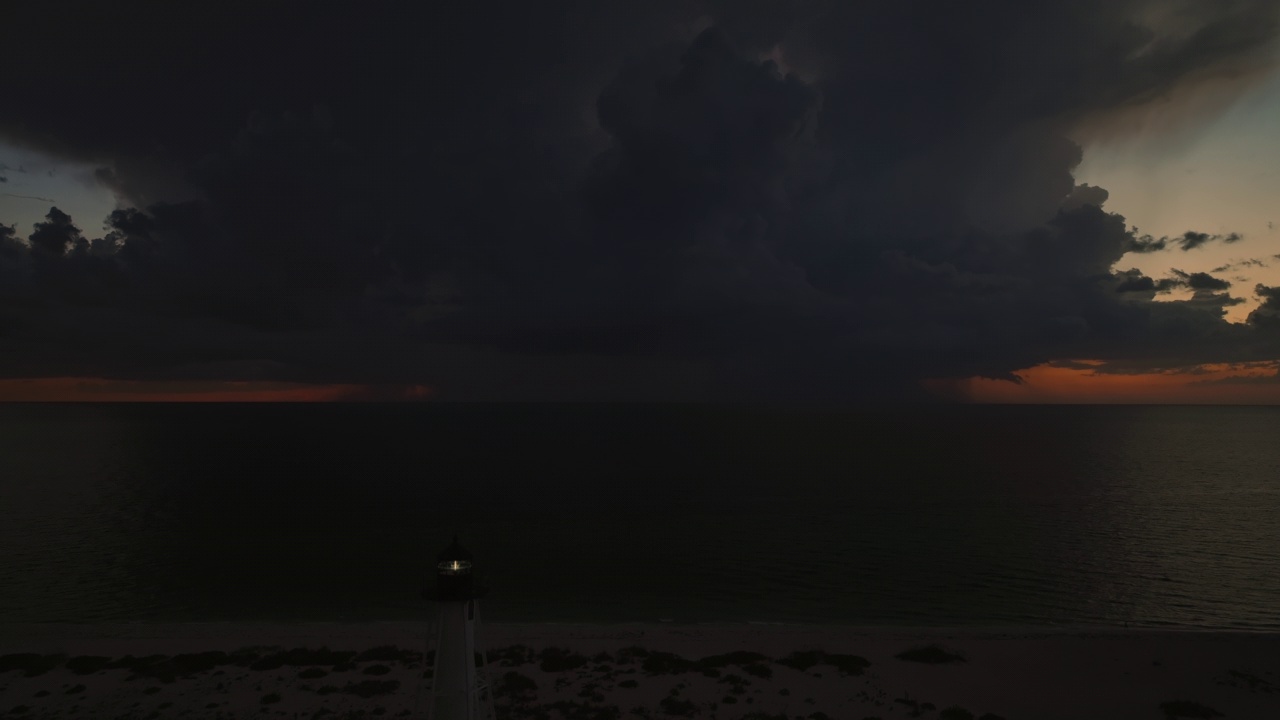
x,y
55,236
1253,262
1202,281
1135,281
1267,314
1186,241
9,244
716,199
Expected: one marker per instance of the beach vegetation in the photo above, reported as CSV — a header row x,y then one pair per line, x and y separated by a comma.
x,y
388,653
680,708
88,664
734,679
955,712
846,663
591,691
665,663
739,657
300,657
1174,709
632,653
802,660
931,655
512,655
168,669
378,669
516,686
571,710
188,664
369,688
30,664
554,659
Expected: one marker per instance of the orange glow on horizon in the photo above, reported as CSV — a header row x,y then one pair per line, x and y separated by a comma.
x,y
86,389
1213,384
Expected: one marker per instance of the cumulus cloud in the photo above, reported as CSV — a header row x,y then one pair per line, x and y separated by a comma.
x,y
711,199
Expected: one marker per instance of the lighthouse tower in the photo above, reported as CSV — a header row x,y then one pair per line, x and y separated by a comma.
x,y
459,689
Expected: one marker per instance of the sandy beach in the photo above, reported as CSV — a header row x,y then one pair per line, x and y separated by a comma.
x,y
233,670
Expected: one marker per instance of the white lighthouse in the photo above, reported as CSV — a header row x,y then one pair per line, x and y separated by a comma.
x,y
460,688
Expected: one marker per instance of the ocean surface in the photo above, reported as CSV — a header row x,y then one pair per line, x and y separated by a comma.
x,y
922,516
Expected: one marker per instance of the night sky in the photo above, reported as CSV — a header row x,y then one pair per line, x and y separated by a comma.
x,y
734,200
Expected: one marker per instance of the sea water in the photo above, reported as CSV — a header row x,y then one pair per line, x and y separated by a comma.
x,y
908,516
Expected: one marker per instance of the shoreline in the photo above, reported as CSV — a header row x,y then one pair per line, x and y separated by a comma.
x,y
644,670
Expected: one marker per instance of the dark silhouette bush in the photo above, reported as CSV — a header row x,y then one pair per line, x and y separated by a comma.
x,y
555,659
88,664
930,654
512,655
388,653
678,707
955,712
369,688
30,664
518,687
